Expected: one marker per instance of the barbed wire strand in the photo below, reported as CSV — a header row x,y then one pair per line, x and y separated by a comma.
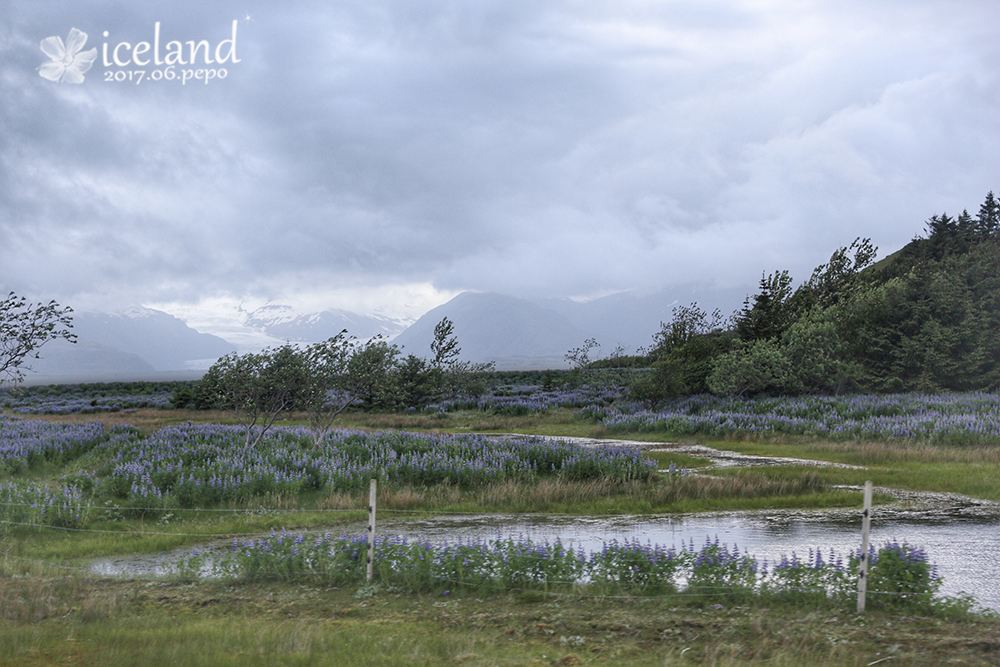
x,y
106,507
703,591
381,510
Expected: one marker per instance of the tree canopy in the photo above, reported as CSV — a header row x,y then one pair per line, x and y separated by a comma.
x,y
926,318
324,379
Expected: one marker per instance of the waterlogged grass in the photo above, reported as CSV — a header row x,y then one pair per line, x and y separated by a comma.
x,y
105,537
679,493
110,529
678,460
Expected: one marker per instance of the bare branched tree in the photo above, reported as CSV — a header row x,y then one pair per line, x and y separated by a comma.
x,y
24,328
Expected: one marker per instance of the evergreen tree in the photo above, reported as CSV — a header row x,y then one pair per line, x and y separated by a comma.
x,y
769,313
988,220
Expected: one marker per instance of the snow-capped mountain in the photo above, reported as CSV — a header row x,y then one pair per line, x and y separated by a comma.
x,y
285,323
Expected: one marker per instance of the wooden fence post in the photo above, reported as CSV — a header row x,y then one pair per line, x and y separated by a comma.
x,y
371,529
866,526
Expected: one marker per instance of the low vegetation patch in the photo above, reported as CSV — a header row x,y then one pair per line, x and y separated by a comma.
x,y
900,576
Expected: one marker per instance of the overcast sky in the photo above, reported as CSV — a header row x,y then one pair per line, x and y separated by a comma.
x,y
384,156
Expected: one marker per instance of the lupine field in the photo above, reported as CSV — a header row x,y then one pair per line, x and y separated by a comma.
x,y
207,465
949,418
203,465
87,398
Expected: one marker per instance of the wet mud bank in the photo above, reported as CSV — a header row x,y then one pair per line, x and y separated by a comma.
x,y
720,458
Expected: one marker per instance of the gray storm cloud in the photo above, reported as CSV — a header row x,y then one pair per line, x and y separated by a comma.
x,y
532,148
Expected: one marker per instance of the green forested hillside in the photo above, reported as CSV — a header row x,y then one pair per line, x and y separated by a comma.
x,y
926,318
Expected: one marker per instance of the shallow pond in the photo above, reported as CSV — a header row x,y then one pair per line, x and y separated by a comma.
x,y
960,535
964,546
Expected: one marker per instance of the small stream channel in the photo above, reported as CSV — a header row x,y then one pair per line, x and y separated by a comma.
x,y
961,535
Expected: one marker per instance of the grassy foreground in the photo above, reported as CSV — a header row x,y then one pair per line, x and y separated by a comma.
x,y
82,621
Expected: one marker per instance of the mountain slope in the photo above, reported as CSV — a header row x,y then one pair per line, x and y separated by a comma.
x,y
132,344
524,334
515,333
164,341
85,360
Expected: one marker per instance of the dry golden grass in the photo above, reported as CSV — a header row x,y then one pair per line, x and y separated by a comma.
x,y
146,420
564,495
338,501
546,493
866,452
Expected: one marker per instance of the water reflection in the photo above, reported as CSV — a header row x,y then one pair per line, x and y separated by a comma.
x,y
964,548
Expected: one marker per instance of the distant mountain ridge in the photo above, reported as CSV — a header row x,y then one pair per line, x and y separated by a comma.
x,y
165,341
520,333
514,332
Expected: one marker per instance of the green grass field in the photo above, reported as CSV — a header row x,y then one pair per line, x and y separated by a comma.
x,y
54,613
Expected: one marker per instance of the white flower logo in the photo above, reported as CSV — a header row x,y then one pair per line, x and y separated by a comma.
x,y
67,64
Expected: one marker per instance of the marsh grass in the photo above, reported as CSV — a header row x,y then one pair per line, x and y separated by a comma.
x,y
972,470
875,453
863,452
131,536
549,494
114,531
600,495
557,421
677,459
